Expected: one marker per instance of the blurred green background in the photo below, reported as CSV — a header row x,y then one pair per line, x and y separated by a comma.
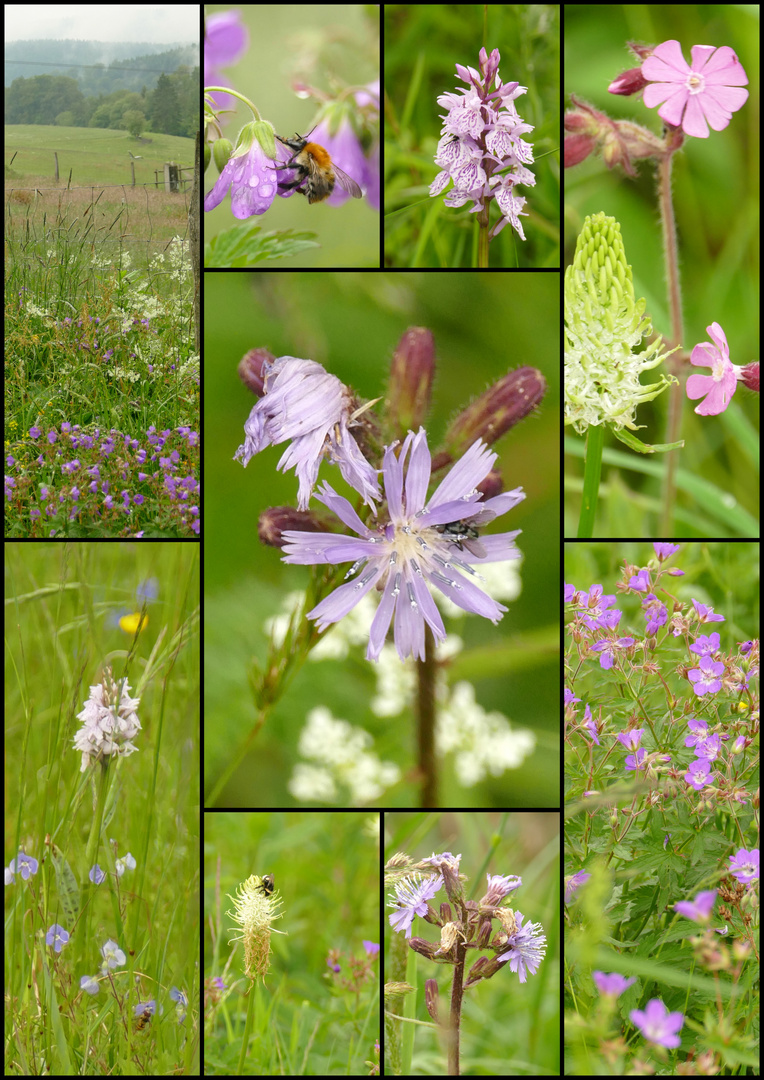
x,y
716,202
483,326
308,1020
724,576
423,45
525,845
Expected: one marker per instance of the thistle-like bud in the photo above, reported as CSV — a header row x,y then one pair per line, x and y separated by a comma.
x,y
604,326
621,142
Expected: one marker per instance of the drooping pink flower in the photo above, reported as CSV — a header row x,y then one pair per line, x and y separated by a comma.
x,y
696,95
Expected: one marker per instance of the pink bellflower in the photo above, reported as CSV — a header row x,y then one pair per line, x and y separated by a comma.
x,y
250,177
698,95
415,548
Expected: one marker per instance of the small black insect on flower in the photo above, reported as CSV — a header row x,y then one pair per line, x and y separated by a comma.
x,y
267,884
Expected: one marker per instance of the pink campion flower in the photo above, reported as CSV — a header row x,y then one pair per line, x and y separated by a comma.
x,y
697,95
416,546
720,385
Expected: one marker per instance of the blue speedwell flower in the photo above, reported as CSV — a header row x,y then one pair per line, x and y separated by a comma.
x,y
417,546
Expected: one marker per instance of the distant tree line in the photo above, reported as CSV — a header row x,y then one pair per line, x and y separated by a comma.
x,y
170,107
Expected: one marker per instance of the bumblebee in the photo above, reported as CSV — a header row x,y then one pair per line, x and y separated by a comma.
x,y
315,172
267,884
143,1019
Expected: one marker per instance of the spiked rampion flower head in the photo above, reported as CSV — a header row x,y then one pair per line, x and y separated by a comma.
x,y
255,909
604,325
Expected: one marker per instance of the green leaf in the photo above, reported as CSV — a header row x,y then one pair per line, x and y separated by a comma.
x,y
634,443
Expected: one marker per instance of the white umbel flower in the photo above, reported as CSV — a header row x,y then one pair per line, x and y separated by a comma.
x,y
604,326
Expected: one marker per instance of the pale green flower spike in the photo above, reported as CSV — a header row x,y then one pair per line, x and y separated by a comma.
x,y
603,327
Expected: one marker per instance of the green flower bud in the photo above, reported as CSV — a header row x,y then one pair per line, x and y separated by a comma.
x,y
604,325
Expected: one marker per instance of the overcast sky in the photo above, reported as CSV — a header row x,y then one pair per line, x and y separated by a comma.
x,y
107,22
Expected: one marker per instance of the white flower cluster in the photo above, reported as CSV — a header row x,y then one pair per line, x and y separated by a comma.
x,y
109,721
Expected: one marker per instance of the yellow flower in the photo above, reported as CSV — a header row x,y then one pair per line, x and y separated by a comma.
x,y
131,623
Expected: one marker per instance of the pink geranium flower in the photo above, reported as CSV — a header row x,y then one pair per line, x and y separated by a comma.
x,y
697,95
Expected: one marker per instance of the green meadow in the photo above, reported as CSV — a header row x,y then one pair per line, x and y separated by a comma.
x,y
101,367
102,972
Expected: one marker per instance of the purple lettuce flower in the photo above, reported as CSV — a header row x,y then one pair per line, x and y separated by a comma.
x,y
411,550
304,404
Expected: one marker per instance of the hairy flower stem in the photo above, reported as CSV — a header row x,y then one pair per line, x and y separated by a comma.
x,y
671,255
457,991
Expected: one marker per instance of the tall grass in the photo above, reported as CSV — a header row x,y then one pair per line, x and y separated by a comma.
x,y
102,870
101,374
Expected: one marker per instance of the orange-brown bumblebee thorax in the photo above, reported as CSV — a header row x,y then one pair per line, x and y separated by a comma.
x,y
321,156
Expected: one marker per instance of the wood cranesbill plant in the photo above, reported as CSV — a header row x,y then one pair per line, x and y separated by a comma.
x,y
661,733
